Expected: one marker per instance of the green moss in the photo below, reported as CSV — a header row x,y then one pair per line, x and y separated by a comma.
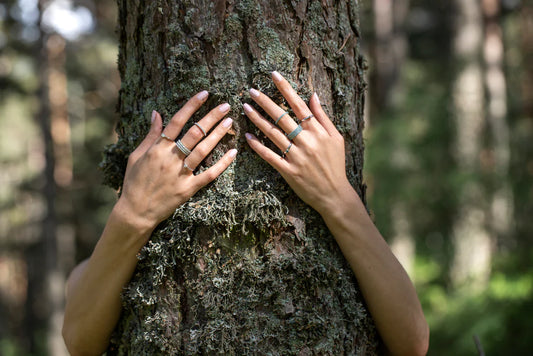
x,y
244,267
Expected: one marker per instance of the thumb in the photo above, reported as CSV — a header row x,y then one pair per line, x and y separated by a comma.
x,y
321,116
155,132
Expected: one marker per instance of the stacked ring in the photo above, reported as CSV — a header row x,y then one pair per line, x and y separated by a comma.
x,y
279,118
295,132
286,151
182,148
166,137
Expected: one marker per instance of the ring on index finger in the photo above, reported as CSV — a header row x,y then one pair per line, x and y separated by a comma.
x,y
307,118
166,137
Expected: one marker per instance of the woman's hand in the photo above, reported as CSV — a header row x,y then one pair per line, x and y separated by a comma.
x,y
313,165
159,175
313,162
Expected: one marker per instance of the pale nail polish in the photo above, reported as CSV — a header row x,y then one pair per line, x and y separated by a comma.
x,y
232,152
248,136
224,107
203,94
227,122
247,108
154,113
254,93
316,97
276,76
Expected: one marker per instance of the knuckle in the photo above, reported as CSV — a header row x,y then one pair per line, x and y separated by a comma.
x,y
202,151
196,134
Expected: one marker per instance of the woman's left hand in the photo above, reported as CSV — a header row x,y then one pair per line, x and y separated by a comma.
x,y
313,162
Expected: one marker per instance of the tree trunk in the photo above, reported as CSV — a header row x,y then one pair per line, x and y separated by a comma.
x,y
471,238
245,266
496,89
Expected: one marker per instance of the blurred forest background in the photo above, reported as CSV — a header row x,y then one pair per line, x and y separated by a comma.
x,y
449,160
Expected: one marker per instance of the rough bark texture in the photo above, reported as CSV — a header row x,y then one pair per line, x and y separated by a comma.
x,y
244,267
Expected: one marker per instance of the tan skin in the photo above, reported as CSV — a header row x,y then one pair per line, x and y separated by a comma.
x,y
156,183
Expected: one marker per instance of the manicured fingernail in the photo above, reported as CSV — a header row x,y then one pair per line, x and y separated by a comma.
x,y
232,152
247,108
154,113
224,107
248,136
254,93
276,76
316,98
203,94
227,122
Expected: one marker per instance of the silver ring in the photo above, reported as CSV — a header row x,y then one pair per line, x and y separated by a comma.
x,y
279,118
201,128
166,137
307,118
182,148
286,151
294,133
187,167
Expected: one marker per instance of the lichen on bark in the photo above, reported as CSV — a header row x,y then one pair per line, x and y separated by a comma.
x,y
244,267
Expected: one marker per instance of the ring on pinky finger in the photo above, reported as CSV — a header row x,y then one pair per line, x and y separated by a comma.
x,y
286,150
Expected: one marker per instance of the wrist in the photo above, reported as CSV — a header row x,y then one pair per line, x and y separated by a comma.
x,y
342,195
129,223
344,204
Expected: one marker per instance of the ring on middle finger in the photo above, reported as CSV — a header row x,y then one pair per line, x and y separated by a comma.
x,y
294,132
279,118
182,148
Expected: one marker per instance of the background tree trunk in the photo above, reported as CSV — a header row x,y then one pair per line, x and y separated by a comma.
x,y
472,240
244,266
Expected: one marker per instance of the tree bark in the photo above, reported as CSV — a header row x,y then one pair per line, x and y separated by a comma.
x,y
245,266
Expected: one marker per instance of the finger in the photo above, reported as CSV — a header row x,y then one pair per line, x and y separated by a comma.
x,y
180,118
279,115
298,106
151,137
320,115
195,133
267,154
269,129
206,146
214,171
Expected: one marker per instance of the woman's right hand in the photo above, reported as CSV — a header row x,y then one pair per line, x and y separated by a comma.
x,y
159,176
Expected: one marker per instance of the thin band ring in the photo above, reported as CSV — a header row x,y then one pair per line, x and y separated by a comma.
x,y
182,148
286,151
295,132
201,128
279,118
187,166
307,118
166,137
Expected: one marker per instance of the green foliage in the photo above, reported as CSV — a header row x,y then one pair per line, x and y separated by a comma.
x,y
409,161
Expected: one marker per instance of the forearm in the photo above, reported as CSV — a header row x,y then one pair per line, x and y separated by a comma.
x,y
93,292
386,287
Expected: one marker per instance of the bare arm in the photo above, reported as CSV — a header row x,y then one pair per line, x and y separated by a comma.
x,y
158,179
314,166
